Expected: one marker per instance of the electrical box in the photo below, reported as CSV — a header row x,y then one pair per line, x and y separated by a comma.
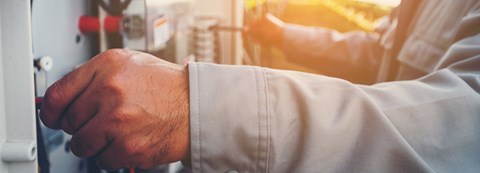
x,y
161,28
42,40
160,22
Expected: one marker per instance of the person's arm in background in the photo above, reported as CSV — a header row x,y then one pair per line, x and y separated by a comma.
x,y
354,56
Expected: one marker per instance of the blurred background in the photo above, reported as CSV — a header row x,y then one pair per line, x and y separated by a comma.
x,y
340,15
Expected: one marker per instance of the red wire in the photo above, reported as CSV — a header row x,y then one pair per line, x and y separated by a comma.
x,y
38,102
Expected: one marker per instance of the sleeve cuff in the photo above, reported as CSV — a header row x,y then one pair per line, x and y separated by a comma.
x,y
228,118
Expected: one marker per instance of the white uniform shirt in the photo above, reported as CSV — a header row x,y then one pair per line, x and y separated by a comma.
x,y
252,119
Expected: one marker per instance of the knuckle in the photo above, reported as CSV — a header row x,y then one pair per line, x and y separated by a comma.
x,y
123,114
66,125
130,148
115,51
70,121
113,85
110,54
80,147
54,95
113,55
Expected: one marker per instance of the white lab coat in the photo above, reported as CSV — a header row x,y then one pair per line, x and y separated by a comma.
x,y
253,119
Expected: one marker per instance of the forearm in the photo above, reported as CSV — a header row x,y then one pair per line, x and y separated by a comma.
x,y
333,53
251,119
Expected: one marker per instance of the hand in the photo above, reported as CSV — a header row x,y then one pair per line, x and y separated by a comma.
x,y
125,108
266,30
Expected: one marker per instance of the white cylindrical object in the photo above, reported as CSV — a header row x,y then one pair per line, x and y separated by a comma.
x,y
19,151
206,45
46,63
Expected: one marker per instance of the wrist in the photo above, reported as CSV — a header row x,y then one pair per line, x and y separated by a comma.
x,y
185,113
180,117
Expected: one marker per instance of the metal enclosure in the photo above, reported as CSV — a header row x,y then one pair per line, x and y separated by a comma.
x,y
55,34
17,114
49,28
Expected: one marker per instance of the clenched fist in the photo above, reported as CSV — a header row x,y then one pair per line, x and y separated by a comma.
x,y
125,108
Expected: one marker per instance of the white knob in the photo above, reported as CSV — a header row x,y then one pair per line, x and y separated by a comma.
x,y
45,63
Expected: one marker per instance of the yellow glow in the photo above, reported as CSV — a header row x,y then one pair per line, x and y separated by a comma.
x,y
349,10
249,4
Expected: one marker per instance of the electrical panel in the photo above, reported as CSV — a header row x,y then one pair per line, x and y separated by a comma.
x,y
42,40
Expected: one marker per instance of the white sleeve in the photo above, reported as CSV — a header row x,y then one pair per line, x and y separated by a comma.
x,y
251,119
333,53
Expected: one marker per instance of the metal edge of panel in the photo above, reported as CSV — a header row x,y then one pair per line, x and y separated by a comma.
x,y
3,134
18,87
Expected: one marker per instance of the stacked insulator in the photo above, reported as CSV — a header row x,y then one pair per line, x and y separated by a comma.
x,y
206,45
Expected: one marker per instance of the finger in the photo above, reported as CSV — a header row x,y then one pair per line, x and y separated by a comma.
x,y
59,96
91,139
113,157
80,111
